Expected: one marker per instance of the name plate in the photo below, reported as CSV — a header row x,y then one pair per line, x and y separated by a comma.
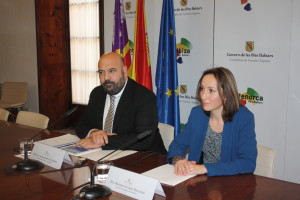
x,y
132,184
49,155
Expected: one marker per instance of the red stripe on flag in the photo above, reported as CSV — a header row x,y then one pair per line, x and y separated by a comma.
x,y
141,48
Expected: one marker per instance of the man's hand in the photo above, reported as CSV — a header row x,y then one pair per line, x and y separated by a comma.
x,y
100,137
97,139
87,143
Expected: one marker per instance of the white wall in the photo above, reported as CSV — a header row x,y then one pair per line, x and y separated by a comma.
x,y
18,57
234,26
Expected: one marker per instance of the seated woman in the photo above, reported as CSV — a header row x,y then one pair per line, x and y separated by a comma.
x,y
219,134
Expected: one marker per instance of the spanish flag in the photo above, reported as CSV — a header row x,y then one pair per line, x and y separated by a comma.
x,y
141,67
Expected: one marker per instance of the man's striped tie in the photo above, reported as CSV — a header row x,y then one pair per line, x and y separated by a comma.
x,y
110,116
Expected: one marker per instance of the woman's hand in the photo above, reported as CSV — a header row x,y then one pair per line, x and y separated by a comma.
x,y
196,169
184,167
181,167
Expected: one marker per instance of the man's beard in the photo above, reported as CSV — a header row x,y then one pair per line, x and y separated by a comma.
x,y
114,88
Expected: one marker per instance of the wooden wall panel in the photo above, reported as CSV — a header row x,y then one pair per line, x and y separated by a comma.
x,y
54,71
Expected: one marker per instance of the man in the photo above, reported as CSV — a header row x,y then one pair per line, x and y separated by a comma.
x,y
134,109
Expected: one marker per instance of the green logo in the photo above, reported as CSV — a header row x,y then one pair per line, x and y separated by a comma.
x,y
251,96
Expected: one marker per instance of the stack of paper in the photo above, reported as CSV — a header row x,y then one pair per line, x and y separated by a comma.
x,y
165,174
118,154
67,143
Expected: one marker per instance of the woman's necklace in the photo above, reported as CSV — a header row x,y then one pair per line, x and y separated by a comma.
x,y
216,125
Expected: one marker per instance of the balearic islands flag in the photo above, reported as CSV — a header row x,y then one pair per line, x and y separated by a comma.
x,y
166,70
141,67
120,42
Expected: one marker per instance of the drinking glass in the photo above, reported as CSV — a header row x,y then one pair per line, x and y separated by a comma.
x,y
29,145
102,170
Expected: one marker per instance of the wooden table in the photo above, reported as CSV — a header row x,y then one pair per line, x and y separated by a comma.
x,y
52,186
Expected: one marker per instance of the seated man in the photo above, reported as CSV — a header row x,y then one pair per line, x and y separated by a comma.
x,y
133,111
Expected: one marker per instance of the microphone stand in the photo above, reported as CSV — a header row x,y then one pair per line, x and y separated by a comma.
x,y
95,191
12,115
29,164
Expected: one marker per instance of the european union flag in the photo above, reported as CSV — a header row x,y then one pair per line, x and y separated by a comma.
x,y
166,72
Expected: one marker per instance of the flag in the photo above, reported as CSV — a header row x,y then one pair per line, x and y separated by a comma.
x,y
120,42
141,67
166,70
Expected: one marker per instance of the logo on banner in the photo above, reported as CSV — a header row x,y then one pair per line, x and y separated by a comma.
x,y
251,96
250,55
187,7
247,7
183,2
130,13
183,89
185,98
183,49
128,5
249,46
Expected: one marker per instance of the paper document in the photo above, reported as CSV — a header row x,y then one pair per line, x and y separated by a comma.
x,y
165,174
60,140
99,154
67,143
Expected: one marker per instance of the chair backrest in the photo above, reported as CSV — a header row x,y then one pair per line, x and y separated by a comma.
x,y
265,161
32,119
14,93
3,114
167,133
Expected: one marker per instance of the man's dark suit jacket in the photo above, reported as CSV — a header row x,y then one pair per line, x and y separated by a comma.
x,y
136,113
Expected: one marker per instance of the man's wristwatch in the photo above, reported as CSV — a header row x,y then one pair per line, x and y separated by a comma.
x,y
176,158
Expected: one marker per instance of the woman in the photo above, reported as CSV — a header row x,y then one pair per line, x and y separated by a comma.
x,y
219,134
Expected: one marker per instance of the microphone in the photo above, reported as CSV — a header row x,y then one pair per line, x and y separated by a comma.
x,y
95,191
69,112
30,164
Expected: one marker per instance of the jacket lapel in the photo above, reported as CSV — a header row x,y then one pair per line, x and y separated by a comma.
x,y
124,104
100,109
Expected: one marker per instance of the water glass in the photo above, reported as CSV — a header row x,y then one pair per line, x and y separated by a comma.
x,y
25,143
102,170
